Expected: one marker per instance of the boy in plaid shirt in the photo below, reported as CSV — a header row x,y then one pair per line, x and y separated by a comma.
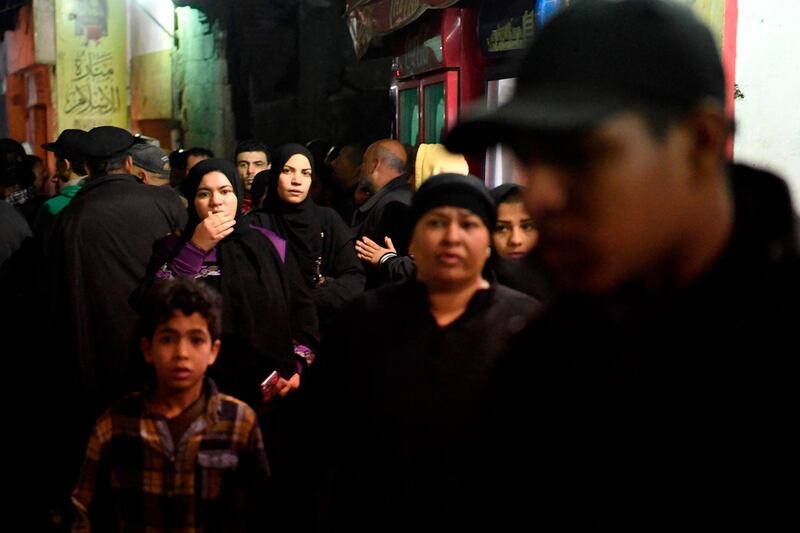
x,y
178,456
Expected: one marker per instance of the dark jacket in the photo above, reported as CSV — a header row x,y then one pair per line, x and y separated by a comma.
x,y
656,408
384,214
98,252
410,392
266,307
13,231
343,272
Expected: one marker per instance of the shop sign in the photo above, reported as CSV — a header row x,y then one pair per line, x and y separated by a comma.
x,y
91,64
369,19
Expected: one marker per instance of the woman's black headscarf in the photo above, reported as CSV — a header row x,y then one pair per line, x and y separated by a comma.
x,y
300,224
192,183
502,192
256,314
457,190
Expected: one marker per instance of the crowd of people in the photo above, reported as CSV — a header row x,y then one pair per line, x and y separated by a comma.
x,y
339,338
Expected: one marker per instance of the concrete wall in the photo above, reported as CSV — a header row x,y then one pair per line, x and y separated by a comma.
x,y
151,22
295,76
3,112
768,76
200,83
151,31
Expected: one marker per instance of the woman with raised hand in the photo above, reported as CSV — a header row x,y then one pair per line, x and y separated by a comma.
x,y
320,240
269,321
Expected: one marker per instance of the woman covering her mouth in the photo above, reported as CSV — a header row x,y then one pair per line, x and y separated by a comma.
x,y
257,278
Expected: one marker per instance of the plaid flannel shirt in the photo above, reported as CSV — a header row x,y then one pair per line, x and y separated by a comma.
x,y
136,479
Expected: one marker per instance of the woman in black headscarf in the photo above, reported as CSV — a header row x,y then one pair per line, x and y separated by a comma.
x,y
320,240
269,322
514,236
405,413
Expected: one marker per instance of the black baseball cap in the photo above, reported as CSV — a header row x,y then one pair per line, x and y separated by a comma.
x,y
596,58
104,142
151,158
69,145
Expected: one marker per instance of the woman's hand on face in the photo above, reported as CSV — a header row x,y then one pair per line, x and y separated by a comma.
x,y
211,230
369,250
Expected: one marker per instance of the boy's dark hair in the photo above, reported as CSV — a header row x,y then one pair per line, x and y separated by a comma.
x,y
78,167
27,179
252,145
166,297
177,159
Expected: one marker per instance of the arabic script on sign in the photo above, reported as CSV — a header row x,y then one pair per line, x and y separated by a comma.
x,y
92,84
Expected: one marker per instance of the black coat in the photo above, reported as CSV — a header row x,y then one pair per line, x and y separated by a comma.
x,y
329,240
321,242
657,408
98,253
384,214
339,264
410,391
13,231
266,307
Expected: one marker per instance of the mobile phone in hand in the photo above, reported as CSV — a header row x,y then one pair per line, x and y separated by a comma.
x,y
269,386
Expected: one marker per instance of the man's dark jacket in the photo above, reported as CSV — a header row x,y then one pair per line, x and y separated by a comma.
x,y
98,252
384,214
654,408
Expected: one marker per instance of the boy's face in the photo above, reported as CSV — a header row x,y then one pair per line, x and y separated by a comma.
x,y
181,350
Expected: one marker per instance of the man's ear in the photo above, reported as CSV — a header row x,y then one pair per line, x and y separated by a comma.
x,y
215,347
144,344
128,164
710,130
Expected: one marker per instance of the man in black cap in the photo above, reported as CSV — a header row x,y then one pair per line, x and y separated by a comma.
x,y
70,171
98,253
150,164
657,390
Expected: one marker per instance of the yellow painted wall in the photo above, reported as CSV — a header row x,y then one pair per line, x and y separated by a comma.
x,y
151,85
91,64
